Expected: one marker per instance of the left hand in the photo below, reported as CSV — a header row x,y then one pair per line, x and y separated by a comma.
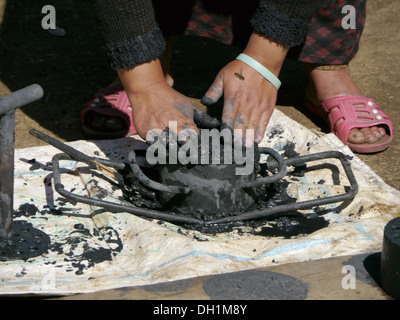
x,y
249,100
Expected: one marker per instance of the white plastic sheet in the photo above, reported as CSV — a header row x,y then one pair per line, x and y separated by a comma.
x,y
92,249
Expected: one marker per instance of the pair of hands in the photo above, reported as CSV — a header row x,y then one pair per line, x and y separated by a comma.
x,y
249,99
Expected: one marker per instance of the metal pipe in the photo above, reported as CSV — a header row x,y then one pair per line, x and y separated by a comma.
x,y
283,209
7,125
8,104
270,179
20,98
59,187
150,183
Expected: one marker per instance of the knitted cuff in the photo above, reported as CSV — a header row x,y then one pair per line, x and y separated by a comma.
x,y
277,27
130,53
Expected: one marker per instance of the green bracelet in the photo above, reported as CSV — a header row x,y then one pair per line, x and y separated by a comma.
x,y
260,69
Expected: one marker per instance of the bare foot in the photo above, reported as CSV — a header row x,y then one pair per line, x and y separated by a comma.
x,y
324,85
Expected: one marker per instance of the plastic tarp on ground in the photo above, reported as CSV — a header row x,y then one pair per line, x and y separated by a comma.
x,y
89,249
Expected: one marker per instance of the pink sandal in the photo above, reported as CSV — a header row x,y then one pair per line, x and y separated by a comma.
x,y
110,102
356,112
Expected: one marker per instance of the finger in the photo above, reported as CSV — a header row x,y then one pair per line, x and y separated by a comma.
x,y
188,124
229,113
246,128
262,126
203,120
153,134
176,126
187,134
214,92
242,115
242,118
251,131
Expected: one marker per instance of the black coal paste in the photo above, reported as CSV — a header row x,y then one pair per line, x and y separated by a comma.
x,y
26,242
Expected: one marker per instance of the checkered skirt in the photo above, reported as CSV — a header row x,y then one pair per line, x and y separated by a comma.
x,y
327,42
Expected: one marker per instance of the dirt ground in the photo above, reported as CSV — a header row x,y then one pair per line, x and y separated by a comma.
x,y
73,67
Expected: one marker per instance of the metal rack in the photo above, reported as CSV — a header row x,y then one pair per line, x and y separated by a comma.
x,y
153,186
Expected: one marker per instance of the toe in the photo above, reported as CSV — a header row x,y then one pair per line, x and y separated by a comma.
x,y
356,136
382,131
376,132
370,137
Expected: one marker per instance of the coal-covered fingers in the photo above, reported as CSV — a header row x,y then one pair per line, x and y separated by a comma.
x,y
215,91
248,114
161,107
249,100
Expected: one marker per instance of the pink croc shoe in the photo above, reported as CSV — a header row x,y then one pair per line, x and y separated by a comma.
x,y
110,102
356,112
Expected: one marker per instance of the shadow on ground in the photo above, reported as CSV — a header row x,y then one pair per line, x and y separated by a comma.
x,y
70,68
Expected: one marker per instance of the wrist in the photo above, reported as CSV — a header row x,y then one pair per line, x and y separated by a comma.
x,y
141,77
269,53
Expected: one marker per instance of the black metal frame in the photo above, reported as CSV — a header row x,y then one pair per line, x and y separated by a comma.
x,y
172,217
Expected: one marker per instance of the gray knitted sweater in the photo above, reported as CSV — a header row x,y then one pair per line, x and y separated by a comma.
x,y
132,36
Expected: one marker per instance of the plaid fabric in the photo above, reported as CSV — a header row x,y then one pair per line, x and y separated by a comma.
x,y
211,25
327,42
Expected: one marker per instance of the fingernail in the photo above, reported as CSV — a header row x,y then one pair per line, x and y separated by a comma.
x,y
258,139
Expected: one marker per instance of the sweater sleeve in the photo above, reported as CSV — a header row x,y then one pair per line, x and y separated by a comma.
x,y
130,32
284,21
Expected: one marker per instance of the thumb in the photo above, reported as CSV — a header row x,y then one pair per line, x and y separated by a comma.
x,y
214,92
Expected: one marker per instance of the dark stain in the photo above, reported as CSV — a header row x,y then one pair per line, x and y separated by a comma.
x,y
173,286
26,242
26,209
288,227
84,240
276,130
255,285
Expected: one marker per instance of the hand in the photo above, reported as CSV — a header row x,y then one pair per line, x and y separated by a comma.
x,y
159,107
249,99
155,104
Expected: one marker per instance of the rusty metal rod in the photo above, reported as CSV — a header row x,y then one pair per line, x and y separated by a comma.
x,y
8,104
